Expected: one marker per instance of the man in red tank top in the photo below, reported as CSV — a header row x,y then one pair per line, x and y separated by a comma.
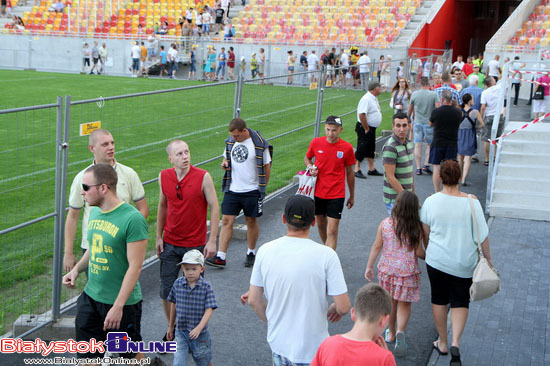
x,y
186,193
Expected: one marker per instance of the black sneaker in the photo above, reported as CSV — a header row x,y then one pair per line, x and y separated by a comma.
x,y
249,261
359,174
375,173
216,262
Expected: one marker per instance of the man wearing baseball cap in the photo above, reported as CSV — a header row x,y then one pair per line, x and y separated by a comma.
x,y
298,309
334,160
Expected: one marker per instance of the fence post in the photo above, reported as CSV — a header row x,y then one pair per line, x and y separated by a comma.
x,y
59,213
319,109
238,94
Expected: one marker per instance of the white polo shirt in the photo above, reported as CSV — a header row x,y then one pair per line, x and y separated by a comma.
x,y
369,105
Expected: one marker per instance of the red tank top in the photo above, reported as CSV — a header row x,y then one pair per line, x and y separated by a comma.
x,y
185,224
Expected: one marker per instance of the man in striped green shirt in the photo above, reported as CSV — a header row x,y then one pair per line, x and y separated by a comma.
x,y
398,157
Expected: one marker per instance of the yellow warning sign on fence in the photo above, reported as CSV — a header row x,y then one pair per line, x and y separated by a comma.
x,y
89,127
312,86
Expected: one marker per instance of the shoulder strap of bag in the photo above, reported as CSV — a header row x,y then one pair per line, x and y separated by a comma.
x,y
476,231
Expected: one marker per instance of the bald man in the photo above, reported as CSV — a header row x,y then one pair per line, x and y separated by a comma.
x,y
129,188
186,193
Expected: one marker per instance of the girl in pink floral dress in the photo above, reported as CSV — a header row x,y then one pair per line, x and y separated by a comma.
x,y
400,238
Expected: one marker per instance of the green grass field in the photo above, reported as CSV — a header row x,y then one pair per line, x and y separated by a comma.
x,y
142,126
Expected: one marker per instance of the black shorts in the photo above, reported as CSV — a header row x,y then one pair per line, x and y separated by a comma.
x,y
190,20
169,269
329,207
250,202
86,61
91,315
96,60
439,153
366,142
344,71
449,289
219,20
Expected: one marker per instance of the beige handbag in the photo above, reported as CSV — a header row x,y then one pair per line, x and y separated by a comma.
x,y
486,280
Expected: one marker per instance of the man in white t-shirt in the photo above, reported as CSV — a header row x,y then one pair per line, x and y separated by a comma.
x,y
489,107
128,189
369,117
493,68
247,165
312,65
173,60
364,70
458,63
292,298
344,63
135,54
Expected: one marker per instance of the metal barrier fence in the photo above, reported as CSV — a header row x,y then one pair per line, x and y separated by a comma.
x,y
48,156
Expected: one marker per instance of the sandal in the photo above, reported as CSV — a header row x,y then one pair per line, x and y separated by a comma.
x,y
486,163
418,171
455,357
436,347
400,344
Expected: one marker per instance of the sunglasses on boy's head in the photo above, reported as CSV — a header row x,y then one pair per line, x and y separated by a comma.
x,y
86,187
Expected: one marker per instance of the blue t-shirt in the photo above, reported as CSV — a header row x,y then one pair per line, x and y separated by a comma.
x,y
452,248
222,58
163,57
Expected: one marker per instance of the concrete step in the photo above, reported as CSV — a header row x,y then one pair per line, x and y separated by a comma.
x,y
522,184
525,170
530,158
524,146
519,212
536,200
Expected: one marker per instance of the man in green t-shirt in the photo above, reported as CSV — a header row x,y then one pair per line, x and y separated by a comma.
x,y
117,233
397,156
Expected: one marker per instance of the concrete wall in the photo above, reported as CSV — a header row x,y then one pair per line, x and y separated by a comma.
x,y
64,54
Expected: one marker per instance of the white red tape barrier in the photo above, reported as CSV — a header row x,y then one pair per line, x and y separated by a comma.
x,y
511,71
494,142
529,81
545,54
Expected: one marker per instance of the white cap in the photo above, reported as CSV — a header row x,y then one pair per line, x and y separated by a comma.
x,y
193,257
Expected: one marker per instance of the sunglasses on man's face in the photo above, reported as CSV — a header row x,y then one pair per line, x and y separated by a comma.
x,y
86,187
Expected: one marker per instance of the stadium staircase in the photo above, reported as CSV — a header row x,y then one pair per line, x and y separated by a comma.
x,y
522,188
411,30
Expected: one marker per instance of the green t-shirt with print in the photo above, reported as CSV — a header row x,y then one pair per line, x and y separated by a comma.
x,y
108,234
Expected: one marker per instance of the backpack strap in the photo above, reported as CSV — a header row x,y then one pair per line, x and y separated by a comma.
x,y
467,115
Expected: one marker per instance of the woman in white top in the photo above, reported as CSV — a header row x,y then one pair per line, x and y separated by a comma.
x,y
385,74
400,95
451,255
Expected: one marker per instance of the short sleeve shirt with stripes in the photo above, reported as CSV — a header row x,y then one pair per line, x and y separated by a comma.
x,y
401,155
443,87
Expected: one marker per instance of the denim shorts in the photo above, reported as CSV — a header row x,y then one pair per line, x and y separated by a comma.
x,y
200,348
423,133
279,360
